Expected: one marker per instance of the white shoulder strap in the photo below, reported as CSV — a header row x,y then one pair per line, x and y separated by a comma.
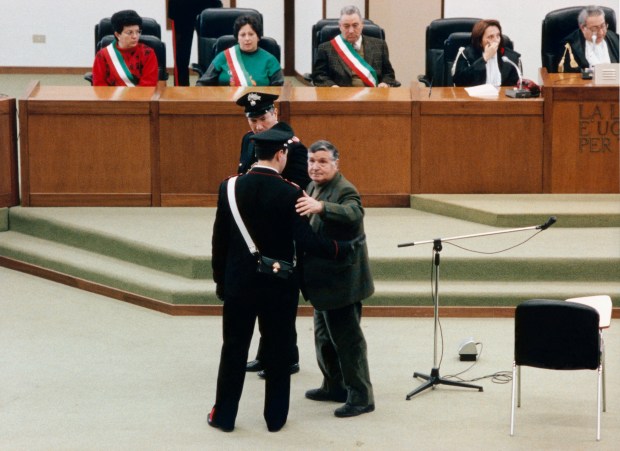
x,y
232,200
458,55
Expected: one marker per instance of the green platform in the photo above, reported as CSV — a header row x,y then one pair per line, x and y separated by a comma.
x,y
165,253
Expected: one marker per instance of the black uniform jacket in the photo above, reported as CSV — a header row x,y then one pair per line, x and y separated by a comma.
x,y
266,203
296,169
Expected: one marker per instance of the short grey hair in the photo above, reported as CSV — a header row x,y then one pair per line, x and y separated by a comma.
x,y
351,9
325,145
589,11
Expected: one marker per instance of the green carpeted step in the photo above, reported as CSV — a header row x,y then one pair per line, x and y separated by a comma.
x,y
39,223
4,219
467,293
514,210
174,289
105,270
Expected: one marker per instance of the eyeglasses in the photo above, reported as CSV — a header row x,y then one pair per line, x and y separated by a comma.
x,y
597,30
132,33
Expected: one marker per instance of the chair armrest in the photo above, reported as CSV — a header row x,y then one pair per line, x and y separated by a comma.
x,y
423,79
198,69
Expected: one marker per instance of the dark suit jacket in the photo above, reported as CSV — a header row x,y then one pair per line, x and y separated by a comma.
x,y
296,169
471,69
331,70
266,203
332,284
578,44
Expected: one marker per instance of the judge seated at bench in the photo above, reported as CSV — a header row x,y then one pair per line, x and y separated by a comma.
x,y
481,62
244,64
351,59
591,44
126,61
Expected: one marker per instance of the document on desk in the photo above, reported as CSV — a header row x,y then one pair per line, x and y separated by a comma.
x,y
485,91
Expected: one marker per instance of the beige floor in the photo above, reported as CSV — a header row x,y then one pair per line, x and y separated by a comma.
x,y
82,372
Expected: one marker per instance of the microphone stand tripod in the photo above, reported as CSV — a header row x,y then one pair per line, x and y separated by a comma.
x,y
434,378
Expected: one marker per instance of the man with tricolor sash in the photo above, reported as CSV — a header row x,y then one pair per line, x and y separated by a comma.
x,y
353,59
126,61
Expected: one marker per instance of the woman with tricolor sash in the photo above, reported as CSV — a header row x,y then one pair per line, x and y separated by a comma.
x,y
244,64
126,61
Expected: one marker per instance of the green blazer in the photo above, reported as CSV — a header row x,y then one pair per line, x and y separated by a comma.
x,y
330,284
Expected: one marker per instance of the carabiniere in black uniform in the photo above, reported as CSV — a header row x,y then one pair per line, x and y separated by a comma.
x,y
266,204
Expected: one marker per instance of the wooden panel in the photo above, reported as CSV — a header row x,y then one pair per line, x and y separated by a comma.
x,y
372,130
8,154
200,131
582,146
89,154
87,146
469,145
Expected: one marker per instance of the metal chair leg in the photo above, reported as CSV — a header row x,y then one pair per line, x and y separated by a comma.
x,y
598,401
519,386
512,404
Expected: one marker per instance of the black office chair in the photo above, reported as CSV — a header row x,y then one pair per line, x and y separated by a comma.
x,y
155,43
436,34
327,29
556,335
210,25
266,43
104,28
556,26
451,48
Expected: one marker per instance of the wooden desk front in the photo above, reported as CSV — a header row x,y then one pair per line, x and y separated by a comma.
x,y
9,189
464,144
370,127
83,145
200,131
581,135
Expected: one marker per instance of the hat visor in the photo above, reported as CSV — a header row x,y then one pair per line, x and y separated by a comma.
x,y
258,113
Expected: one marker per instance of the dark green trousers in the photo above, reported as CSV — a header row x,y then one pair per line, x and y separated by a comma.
x,y
342,353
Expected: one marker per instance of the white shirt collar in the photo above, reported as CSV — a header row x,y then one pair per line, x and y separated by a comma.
x,y
597,53
358,44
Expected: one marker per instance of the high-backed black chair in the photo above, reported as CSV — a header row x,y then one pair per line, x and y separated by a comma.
x,y
152,41
556,26
436,34
556,335
210,25
104,28
451,48
265,43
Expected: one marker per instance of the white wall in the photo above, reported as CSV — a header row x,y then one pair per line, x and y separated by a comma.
x,y
68,26
521,20
307,13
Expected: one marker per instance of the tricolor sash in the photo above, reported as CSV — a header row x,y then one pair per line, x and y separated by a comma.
x,y
355,62
238,75
118,65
